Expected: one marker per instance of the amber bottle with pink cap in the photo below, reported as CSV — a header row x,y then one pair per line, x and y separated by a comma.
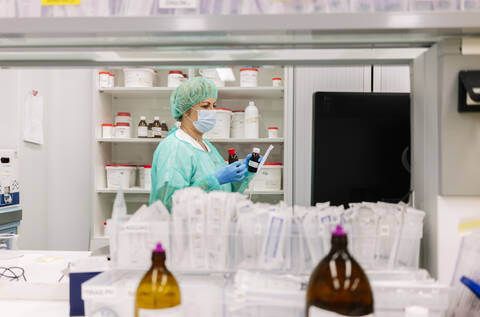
x,y
158,293
338,286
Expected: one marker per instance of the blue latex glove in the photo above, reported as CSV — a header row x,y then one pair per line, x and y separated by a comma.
x,y
234,172
247,159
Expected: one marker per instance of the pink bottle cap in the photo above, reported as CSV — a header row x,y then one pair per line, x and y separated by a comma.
x,y
159,248
339,232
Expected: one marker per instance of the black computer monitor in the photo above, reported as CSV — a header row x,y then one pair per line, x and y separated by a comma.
x,y
361,145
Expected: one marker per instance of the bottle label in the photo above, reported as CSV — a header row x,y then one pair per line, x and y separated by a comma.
x,y
166,312
157,131
142,131
317,312
253,164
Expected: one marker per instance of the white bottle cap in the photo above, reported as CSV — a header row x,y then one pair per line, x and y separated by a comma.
x,y
256,150
416,311
142,118
156,118
251,103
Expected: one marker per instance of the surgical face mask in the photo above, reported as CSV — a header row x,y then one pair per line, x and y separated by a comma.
x,y
206,120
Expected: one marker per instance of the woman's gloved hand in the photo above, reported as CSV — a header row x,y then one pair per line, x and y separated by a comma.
x,y
247,159
234,172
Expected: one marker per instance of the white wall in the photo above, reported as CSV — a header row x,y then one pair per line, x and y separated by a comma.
x,y
54,177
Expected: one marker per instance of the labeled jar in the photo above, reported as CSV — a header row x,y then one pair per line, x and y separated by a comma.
x,y
254,161
142,130
237,128
112,80
175,78
107,130
144,176
123,117
122,130
150,130
157,128
272,132
277,82
103,79
248,77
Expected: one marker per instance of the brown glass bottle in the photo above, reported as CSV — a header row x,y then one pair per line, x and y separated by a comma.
x,y
150,130
142,128
157,128
158,291
232,156
254,160
164,129
338,285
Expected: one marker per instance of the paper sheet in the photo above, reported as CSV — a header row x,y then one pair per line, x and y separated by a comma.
x,y
33,119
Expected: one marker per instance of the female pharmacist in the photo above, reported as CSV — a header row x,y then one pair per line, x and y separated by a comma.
x,y
184,158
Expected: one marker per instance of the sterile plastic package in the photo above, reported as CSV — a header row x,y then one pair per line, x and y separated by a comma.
x,y
87,8
29,8
135,7
7,8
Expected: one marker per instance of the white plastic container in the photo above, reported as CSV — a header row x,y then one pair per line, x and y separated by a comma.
x,y
269,178
112,80
107,130
252,120
276,82
272,132
212,74
123,130
222,127
104,79
144,176
175,78
124,117
120,176
138,77
411,236
248,77
237,129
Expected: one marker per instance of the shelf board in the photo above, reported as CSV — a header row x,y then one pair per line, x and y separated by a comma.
x,y
223,93
152,140
146,191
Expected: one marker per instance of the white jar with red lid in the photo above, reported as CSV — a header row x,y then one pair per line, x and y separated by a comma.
x,y
124,117
248,77
104,79
112,80
276,82
122,130
120,176
175,78
107,130
272,132
268,178
144,176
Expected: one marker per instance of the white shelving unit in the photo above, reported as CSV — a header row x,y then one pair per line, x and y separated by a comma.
x,y
274,105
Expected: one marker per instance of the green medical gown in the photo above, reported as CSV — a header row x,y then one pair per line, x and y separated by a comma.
x,y
177,164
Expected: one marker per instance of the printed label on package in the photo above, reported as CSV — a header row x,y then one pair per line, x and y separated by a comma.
x,y
167,312
61,2
317,312
177,4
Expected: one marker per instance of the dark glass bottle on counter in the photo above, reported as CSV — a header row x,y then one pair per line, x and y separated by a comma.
x,y
338,285
232,156
164,128
254,160
157,128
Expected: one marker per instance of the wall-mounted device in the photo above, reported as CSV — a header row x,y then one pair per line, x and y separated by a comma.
x,y
469,91
9,186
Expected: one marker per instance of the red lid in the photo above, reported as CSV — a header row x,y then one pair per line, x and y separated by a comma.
x,y
276,78
111,74
238,111
252,69
123,124
225,109
105,223
120,165
272,128
231,151
175,72
273,164
124,114
107,125
103,73
185,75
147,166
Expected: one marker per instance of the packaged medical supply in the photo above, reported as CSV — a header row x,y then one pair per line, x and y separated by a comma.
x,y
107,130
237,128
122,130
104,79
175,78
9,185
221,129
120,176
252,121
123,117
276,82
248,77
142,130
272,132
138,77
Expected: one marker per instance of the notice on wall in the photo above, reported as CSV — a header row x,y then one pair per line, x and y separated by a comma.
x,y
33,119
177,4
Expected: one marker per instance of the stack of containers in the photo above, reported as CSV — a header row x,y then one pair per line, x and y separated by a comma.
x,y
120,176
123,123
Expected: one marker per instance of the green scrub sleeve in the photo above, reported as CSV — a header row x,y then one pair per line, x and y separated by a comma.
x,y
172,179
241,186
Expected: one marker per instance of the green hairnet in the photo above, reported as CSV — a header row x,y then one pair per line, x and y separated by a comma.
x,y
189,93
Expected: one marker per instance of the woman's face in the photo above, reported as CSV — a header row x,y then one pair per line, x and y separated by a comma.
x,y
206,104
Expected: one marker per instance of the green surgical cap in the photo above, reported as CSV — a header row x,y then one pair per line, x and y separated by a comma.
x,y
189,93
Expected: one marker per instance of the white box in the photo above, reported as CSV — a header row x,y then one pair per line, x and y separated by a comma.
x,y
9,185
